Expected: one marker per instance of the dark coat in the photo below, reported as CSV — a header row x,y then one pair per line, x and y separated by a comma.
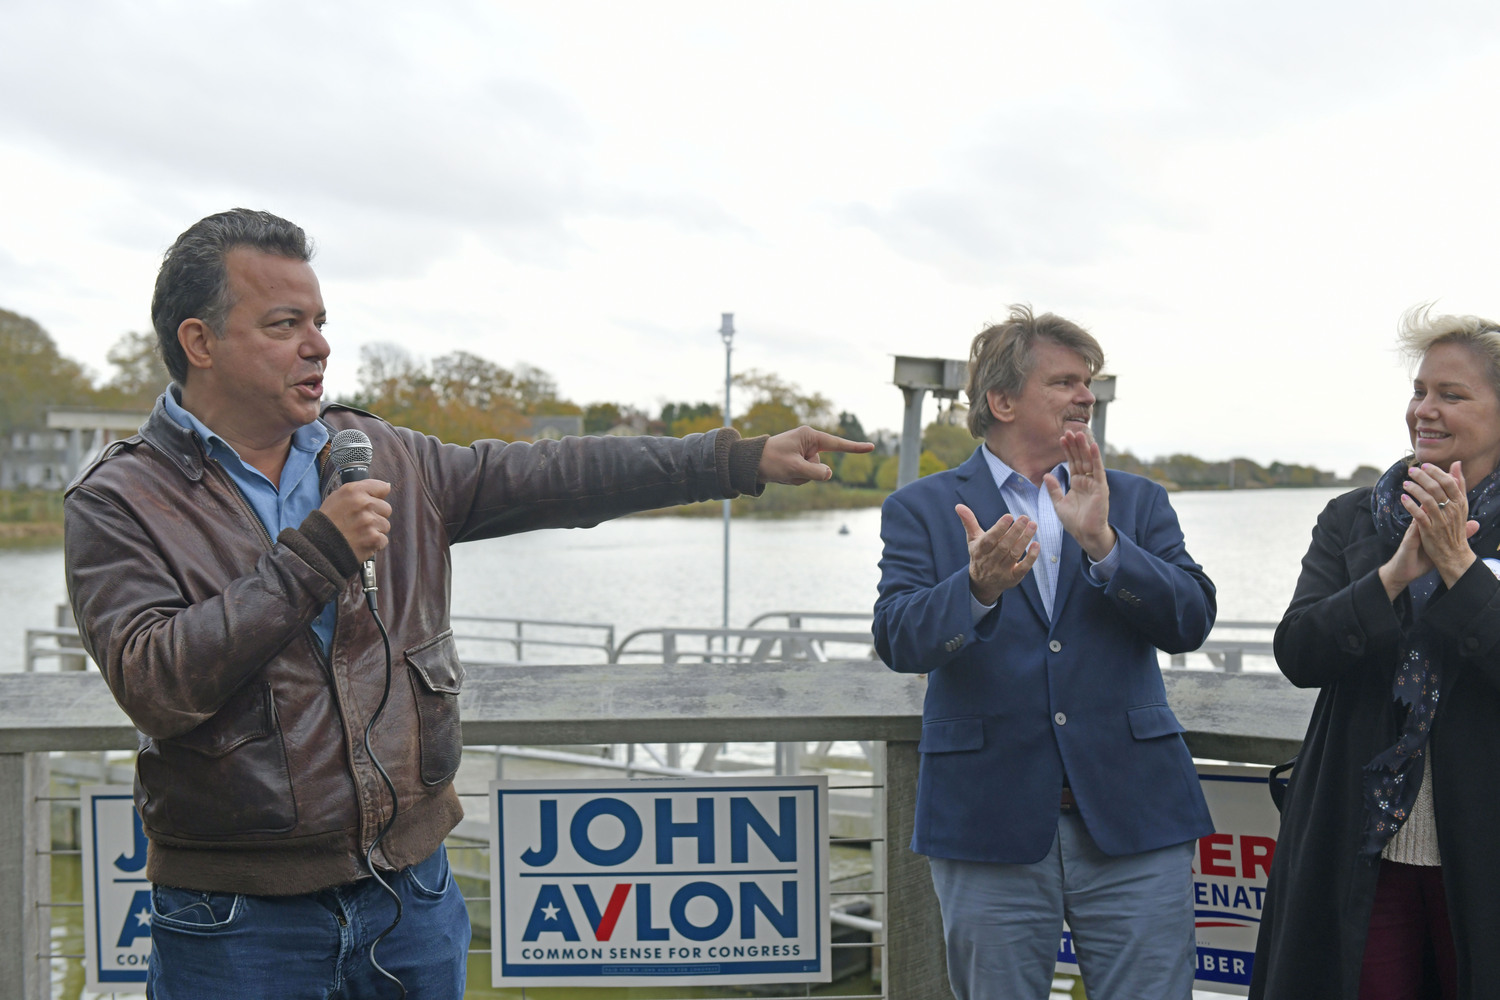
x,y
1341,634
1015,699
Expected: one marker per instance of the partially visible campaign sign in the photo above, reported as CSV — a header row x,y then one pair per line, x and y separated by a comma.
x,y
1230,867
1230,871
683,882
116,895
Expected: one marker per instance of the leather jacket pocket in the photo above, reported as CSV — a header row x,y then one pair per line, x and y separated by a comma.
x,y
436,676
226,778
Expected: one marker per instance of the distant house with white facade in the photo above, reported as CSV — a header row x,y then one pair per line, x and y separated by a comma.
x,y
34,460
48,458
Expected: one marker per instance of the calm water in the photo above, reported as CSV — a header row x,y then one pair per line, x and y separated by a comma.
x,y
642,572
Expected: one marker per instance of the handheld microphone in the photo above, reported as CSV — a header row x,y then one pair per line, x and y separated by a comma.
x,y
351,454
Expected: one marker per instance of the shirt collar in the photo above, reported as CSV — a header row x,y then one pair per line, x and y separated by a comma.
x,y
1005,475
309,437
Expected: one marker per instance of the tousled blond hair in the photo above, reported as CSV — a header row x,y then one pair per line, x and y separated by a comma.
x,y
1001,357
1420,331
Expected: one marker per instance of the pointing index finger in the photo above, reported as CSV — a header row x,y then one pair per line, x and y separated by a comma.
x,y
832,442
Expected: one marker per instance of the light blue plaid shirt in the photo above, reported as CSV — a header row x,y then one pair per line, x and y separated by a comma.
x,y
1022,497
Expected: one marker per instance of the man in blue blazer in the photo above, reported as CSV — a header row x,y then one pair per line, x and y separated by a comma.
x,y
1034,589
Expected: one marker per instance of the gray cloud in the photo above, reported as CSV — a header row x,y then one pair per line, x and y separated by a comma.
x,y
270,97
1055,185
1233,68
1044,192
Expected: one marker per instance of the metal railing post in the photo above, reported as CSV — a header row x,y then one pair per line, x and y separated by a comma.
x,y
65,620
25,874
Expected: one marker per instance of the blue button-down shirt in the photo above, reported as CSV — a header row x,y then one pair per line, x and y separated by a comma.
x,y
1023,497
277,507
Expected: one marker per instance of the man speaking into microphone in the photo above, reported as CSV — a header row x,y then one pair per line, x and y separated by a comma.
x,y
213,564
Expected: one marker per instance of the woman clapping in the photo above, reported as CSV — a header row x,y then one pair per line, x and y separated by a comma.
x,y
1386,879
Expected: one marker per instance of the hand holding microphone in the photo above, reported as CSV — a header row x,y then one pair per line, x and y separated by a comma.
x,y
358,508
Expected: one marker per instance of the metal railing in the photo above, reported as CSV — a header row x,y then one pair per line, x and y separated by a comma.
x,y
1226,648
752,645
60,643
794,619
477,634
1244,717
1227,651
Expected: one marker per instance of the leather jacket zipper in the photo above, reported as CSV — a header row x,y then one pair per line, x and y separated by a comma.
x,y
265,532
324,658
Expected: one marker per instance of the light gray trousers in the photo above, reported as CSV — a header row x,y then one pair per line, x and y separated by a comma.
x,y
1131,918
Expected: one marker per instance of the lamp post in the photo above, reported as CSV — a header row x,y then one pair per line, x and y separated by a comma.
x,y
726,331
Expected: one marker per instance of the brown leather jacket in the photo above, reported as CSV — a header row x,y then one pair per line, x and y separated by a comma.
x,y
252,774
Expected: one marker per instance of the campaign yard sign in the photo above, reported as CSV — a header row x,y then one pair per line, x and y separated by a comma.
x,y
1230,868
116,895
665,881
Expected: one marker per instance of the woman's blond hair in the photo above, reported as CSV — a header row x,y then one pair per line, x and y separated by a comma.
x,y
1420,331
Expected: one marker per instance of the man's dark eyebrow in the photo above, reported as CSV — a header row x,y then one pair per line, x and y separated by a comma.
x,y
291,310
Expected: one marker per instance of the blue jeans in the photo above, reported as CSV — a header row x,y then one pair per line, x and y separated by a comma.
x,y
1131,918
316,946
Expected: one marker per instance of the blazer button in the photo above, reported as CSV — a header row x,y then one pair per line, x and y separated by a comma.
x,y
1055,646
1060,719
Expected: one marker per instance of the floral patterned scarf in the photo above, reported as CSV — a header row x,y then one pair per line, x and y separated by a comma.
x,y
1393,778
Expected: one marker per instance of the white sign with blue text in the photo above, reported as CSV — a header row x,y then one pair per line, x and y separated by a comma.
x,y
666,881
116,895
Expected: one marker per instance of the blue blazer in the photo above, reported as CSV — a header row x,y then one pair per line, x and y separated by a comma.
x,y
1014,701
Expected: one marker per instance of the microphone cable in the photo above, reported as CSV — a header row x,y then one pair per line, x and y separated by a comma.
x,y
350,453
391,786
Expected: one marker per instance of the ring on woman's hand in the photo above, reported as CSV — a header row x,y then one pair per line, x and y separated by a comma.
x,y
1442,504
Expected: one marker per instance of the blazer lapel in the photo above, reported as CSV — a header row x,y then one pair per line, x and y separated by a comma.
x,y
1069,565
977,490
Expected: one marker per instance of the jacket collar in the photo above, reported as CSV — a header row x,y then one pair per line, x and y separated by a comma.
x,y
182,446
179,445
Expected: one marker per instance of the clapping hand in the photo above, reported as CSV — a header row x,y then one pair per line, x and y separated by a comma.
x,y
1000,557
1440,529
1084,510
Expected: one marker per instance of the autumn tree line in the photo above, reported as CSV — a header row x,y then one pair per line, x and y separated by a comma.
x,y
461,397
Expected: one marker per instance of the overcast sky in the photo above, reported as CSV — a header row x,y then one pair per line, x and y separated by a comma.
x,y
1239,199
